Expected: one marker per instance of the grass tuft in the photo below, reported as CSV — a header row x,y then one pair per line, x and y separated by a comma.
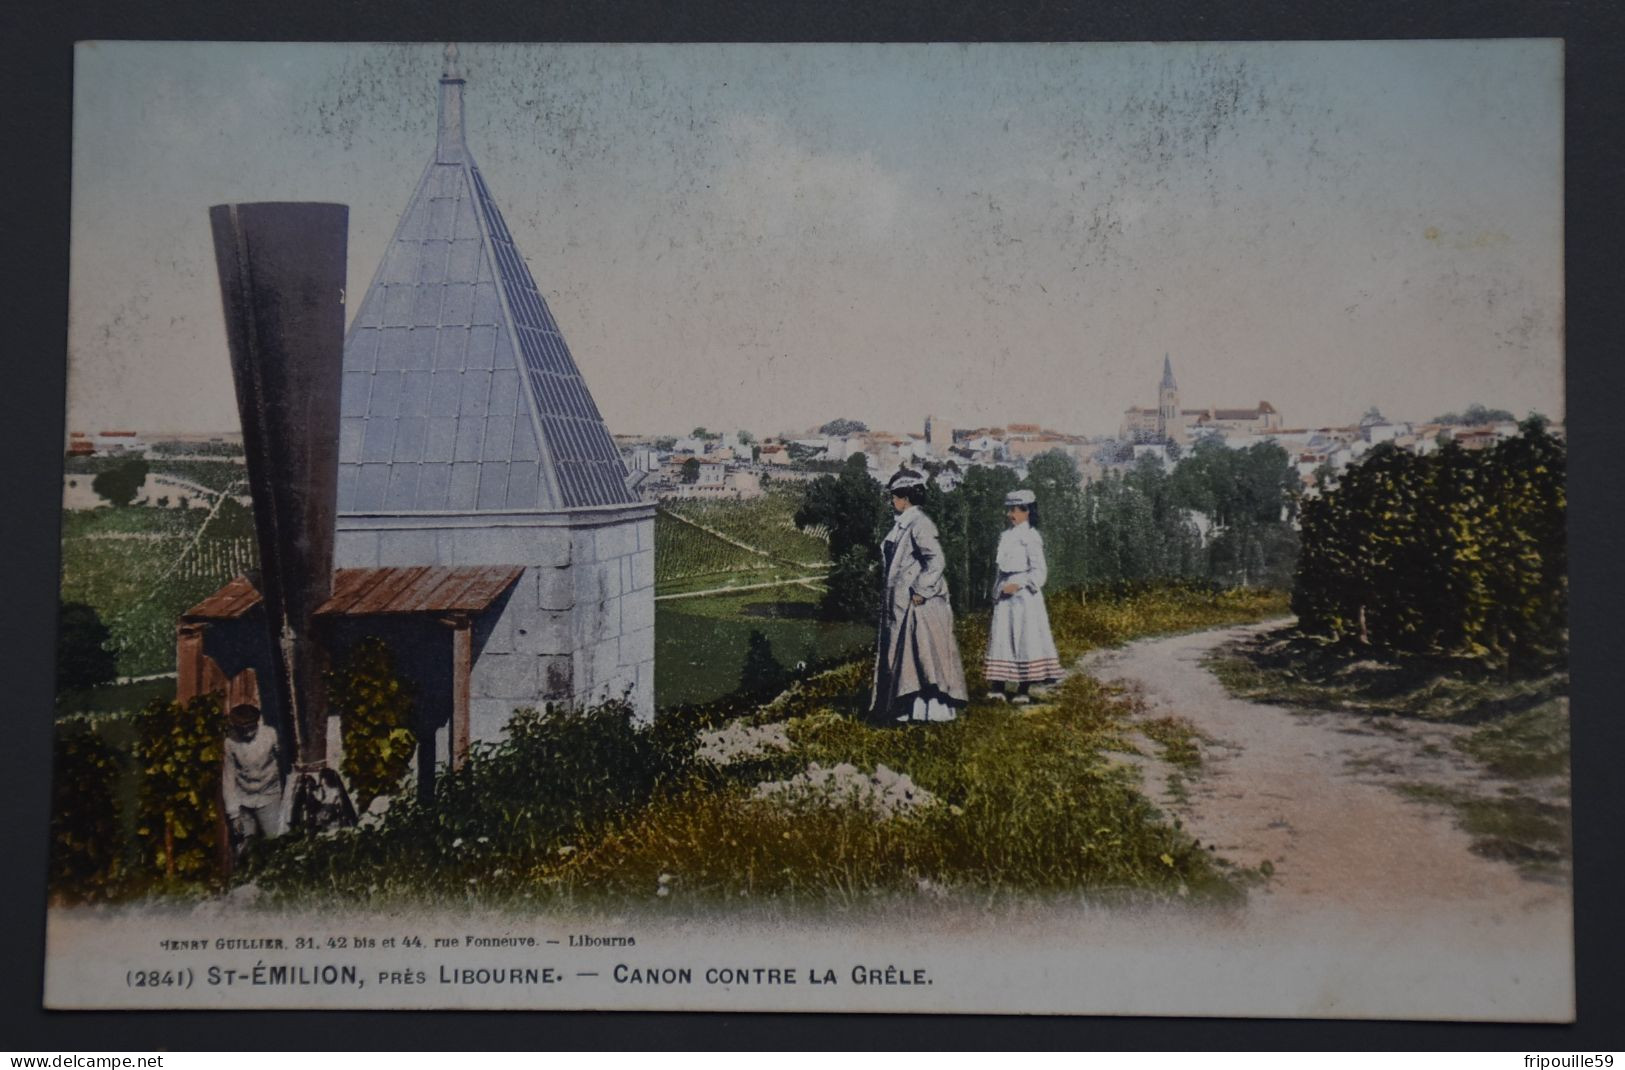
x,y
1514,828
1305,672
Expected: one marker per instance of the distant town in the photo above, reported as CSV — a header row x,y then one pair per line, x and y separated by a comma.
x,y
737,464
734,464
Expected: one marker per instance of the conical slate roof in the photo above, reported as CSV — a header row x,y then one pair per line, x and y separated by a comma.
x,y
459,391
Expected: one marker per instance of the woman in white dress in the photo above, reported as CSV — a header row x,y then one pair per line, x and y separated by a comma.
x,y
1020,647
918,674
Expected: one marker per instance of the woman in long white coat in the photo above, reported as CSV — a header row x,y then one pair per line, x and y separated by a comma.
x,y
1020,646
918,673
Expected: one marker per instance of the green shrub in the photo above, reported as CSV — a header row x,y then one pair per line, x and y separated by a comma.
x,y
555,776
1458,552
180,751
375,710
851,508
88,842
853,586
83,654
761,671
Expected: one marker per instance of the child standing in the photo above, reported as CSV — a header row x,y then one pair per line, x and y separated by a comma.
x,y
251,780
1020,647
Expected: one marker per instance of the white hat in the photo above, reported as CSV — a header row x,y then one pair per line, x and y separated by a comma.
x,y
905,478
1023,498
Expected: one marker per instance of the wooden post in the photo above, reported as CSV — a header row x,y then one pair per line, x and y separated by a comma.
x,y
462,665
189,662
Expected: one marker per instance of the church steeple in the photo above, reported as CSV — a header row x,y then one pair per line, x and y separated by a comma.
x,y
1168,424
449,145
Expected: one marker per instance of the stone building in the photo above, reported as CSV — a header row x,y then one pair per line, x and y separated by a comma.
x,y
468,438
1168,422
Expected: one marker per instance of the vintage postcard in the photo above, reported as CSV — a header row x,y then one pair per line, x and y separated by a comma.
x,y
933,528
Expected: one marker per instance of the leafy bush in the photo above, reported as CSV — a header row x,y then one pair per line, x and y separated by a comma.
x,y
375,710
851,508
1458,552
761,669
197,449
217,475
853,586
88,841
180,751
555,777
136,800
83,657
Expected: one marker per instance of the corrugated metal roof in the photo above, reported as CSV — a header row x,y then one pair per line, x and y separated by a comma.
x,y
459,390
365,592
233,600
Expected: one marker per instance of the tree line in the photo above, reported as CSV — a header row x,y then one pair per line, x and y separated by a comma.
x,y
1219,515
1457,551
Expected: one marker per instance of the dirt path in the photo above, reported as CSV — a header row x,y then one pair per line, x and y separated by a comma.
x,y
1314,795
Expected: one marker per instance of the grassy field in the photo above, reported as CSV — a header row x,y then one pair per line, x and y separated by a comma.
x,y
766,523
704,544
152,524
700,643
1305,672
115,698
688,558
139,567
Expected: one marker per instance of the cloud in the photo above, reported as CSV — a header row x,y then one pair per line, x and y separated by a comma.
x,y
777,187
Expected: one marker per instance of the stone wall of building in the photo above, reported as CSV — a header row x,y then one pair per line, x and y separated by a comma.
x,y
578,626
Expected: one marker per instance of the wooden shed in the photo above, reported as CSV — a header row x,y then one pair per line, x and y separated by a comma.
x,y
434,618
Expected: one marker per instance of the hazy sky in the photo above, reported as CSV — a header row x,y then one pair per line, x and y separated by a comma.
x,y
772,236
